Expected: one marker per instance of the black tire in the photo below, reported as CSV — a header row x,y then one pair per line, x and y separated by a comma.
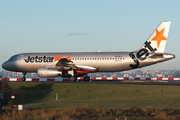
x,y
23,79
86,78
73,79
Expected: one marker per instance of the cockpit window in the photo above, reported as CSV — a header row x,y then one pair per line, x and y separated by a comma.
x,y
10,59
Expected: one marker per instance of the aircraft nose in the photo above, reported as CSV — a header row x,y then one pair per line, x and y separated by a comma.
x,y
8,65
5,65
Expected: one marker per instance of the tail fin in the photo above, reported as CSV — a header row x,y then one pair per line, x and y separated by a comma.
x,y
157,41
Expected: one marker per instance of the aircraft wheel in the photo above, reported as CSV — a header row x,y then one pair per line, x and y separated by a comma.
x,y
23,79
73,78
86,78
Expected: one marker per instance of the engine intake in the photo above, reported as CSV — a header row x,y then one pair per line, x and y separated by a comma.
x,y
48,72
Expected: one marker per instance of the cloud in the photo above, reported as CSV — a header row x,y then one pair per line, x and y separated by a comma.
x,y
73,34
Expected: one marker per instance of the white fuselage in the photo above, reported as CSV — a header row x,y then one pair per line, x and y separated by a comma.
x,y
102,61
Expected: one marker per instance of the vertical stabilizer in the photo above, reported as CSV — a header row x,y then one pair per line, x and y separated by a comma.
x,y
157,41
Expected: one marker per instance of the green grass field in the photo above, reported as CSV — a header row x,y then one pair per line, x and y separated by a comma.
x,y
118,96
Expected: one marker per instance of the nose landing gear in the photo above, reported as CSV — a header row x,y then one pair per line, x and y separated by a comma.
x,y
24,78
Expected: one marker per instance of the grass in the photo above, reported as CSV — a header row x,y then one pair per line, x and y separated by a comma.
x,y
40,95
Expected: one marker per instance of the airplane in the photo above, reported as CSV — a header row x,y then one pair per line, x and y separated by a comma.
x,y
75,64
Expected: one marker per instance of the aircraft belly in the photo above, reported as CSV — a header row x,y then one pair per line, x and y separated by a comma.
x,y
114,67
109,66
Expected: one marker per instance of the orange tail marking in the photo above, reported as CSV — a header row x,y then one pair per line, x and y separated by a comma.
x,y
159,37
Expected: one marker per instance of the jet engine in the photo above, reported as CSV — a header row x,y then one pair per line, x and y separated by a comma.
x,y
48,72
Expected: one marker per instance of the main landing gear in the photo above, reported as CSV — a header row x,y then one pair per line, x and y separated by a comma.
x,y
86,78
24,78
74,78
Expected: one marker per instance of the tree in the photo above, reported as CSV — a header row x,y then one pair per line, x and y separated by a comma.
x,y
176,74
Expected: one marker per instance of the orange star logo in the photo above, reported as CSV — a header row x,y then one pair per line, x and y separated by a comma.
x,y
57,58
68,58
159,36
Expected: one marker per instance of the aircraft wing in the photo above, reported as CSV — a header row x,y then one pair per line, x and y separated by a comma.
x,y
67,64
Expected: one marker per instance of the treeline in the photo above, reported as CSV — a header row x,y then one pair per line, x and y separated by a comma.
x,y
176,74
86,113
7,91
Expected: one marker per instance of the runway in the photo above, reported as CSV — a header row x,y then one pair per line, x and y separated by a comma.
x,y
102,80
111,82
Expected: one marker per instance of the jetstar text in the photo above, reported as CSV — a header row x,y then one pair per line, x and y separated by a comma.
x,y
39,59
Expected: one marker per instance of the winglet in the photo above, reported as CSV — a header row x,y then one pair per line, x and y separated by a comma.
x,y
157,41
68,58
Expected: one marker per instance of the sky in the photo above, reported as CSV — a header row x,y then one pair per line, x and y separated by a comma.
x,y
86,26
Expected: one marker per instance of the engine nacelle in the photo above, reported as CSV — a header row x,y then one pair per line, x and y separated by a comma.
x,y
48,72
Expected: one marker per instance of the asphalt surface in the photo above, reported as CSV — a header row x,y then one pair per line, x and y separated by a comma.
x,y
115,82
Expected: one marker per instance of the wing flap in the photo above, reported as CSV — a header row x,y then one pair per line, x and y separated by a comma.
x,y
86,68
